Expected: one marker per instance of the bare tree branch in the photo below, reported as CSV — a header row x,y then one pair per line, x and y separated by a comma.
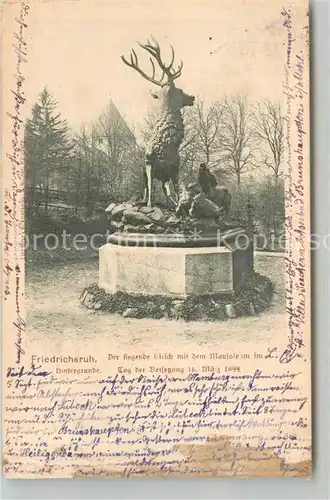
x,y
269,128
237,138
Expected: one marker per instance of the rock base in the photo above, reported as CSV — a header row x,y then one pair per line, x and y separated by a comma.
x,y
252,298
136,218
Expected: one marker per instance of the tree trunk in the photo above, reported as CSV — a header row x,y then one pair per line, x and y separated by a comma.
x,y
207,155
275,204
88,195
47,193
238,177
77,196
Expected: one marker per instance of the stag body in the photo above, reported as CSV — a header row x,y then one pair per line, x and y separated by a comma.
x,y
162,152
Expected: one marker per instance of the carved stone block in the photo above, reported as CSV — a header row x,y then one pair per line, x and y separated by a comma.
x,y
174,272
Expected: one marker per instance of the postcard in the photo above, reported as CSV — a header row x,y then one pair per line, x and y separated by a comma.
x,y
156,239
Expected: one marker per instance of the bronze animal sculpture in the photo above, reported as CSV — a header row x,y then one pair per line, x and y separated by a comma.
x,y
209,185
186,197
202,207
205,199
216,204
162,159
221,197
206,180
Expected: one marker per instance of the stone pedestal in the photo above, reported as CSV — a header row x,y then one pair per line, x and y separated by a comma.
x,y
174,272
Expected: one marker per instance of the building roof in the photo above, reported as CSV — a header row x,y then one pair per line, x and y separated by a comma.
x,y
111,111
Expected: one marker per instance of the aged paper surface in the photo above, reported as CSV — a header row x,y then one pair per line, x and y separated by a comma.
x,y
90,391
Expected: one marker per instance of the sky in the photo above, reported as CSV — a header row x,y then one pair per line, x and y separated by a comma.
x,y
228,48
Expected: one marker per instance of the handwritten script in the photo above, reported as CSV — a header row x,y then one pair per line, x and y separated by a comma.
x,y
13,246
296,145
160,424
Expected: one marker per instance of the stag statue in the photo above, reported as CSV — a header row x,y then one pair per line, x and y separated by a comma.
x,y
162,159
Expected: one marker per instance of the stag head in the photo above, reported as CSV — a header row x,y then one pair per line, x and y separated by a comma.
x,y
169,94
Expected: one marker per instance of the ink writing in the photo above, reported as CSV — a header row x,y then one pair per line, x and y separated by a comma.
x,y
295,220
13,269
160,424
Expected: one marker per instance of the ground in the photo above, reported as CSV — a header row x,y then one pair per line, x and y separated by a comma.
x,y
54,312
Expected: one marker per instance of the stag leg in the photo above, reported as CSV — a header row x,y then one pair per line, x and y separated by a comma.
x,y
192,208
149,184
167,191
145,191
175,181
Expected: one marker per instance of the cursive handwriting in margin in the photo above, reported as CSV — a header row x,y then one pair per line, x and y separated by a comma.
x,y
14,196
295,226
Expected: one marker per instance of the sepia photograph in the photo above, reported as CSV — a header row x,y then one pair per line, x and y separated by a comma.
x,y
156,208
154,177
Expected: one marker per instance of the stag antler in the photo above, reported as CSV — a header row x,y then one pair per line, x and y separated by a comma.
x,y
135,65
154,50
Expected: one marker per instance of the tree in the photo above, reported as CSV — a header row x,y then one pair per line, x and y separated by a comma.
x,y
47,147
271,218
237,138
269,127
188,149
107,162
118,143
86,175
207,120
